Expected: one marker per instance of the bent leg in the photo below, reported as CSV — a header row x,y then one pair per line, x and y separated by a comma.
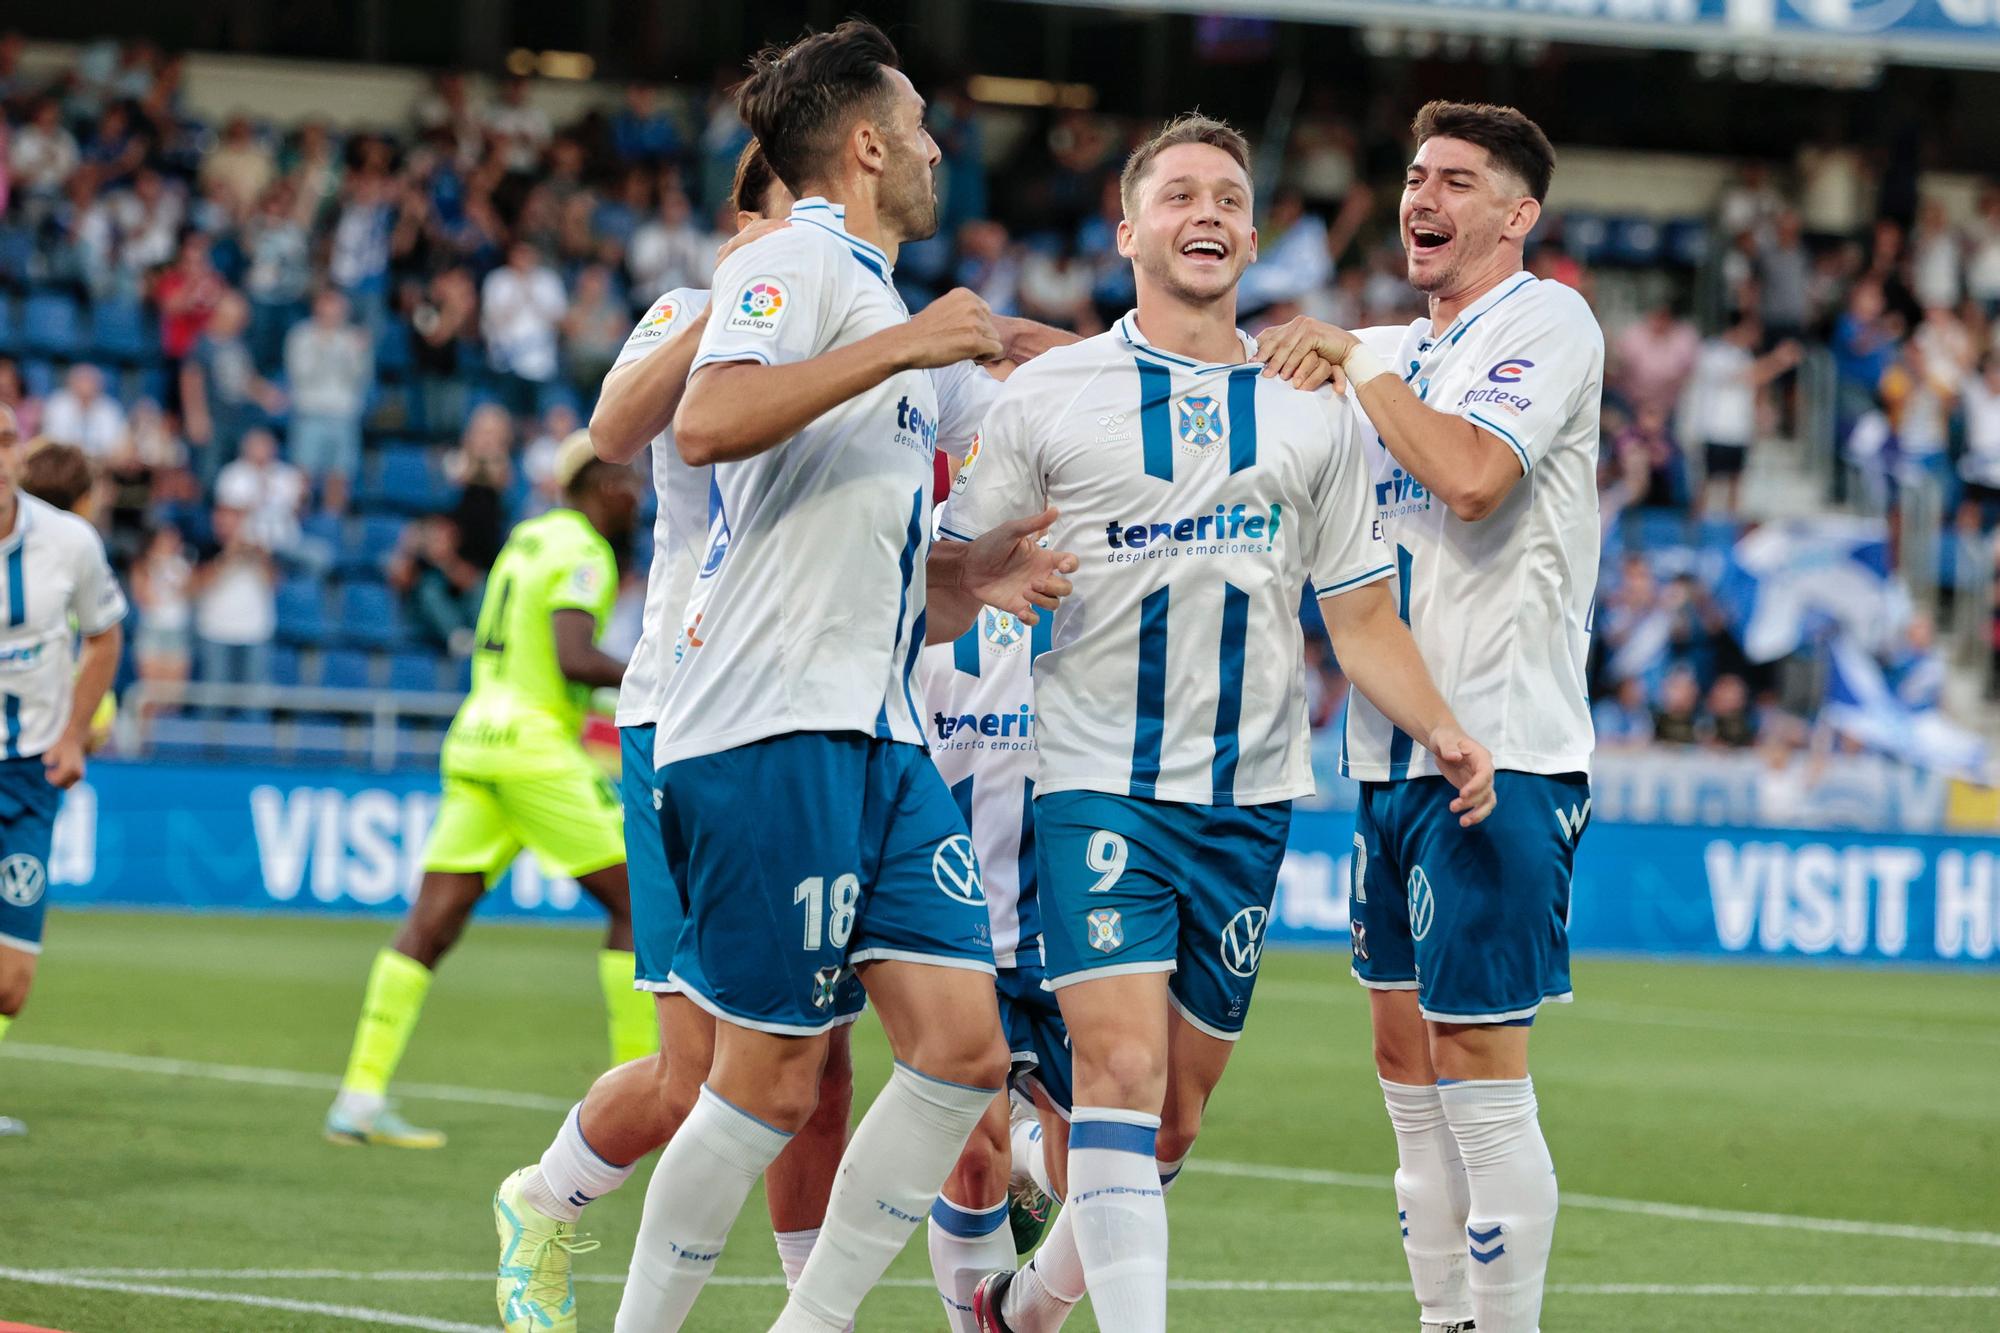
x,y
969,1235
797,1185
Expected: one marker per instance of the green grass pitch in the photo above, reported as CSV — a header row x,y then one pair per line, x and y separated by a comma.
x,y
1711,1126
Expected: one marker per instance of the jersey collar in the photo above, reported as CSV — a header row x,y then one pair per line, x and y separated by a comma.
x,y
816,211
1128,329
1470,315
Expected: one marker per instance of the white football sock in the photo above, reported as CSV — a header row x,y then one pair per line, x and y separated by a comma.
x,y
794,1248
697,1190
1512,1185
900,1154
1121,1216
966,1244
1041,1295
1431,1201
1029,1161
571,1174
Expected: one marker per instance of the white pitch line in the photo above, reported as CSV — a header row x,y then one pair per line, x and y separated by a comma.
x,y
1608,1289
357,1314
526,1101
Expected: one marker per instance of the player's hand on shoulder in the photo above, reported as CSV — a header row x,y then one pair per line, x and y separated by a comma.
x,y
1009,568
1304,351
756,231
1468,766
956,327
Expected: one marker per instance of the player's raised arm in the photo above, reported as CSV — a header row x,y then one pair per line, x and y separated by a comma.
x,y
745,398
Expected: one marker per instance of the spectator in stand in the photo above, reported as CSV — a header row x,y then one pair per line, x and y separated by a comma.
x,y
358,263
1623,721
236,610
1982,270
521,306
222,395
1676,720
148,468
444,329
594,330
329,365
1979,468
1834,188
151,215
187,295
538,460
1292,255
14,398
241,163
277,250
483,468
1729,375
315,169
271,495
642,133
1055,289
1784,280
163,643
990,266
1730,724
80,413
520,129
1937,258
115,147
1915,669
447,111
1654,359
669,251
1750,203
1646,452
439,587
42,155
1865,338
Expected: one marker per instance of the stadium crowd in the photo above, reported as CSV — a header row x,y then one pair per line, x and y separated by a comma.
x,y
322,373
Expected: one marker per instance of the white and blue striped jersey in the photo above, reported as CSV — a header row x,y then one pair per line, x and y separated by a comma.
x,y
979,693
1201,501
54,585
1499,608
807,606
680,523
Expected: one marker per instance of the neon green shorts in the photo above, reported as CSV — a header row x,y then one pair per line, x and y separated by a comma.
x,y
570,820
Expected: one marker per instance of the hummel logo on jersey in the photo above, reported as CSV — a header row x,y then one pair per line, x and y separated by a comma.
x,y
1230,530
1115,426
1572,820
914,430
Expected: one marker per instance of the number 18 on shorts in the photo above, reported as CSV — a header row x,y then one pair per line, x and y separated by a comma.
x,y
803,855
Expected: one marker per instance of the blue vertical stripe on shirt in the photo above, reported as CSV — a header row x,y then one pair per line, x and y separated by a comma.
x,y
913,537
1156,386
1243,418
1229,700
1149,732
17,588
1399,740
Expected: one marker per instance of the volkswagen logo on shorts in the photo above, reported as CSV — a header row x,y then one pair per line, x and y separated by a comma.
x,y
956,870
1243,940
22,880
1423,904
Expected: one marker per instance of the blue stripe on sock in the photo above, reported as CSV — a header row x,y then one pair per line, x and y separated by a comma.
x,y
1450,1082
1243,418
1149,735
1114,1135
1156,385
965,1223
943,1082
1229,701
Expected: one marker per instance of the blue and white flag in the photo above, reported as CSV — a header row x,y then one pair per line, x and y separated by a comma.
x,y
1788,584
1860,705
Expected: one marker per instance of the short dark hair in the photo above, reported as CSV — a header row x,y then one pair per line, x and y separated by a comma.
x,y
57,474
754,179
1191,128
800,99
1515,143
596,475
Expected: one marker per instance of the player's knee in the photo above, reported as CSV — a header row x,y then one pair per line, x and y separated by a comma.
x,y
1400,1060
1123,1074
1178,1128
13,996
981,1174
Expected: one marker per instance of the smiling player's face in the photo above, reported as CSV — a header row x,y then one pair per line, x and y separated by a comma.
x,y
1192,233
1457,209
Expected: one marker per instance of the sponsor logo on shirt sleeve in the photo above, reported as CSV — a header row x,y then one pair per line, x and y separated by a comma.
x,y
1500,390
759,308
585,580
658,320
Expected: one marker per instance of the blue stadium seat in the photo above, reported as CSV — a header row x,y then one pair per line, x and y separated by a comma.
x,y
53,325
285,666
462,675
301,612
403,480
413,672
1585,237
10,327
120,331
368,543
323,527
1636,242
17,255
392,350
345,669
1687,242
366,615
39,378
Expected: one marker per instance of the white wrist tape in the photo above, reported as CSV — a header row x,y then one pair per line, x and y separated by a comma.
x,y
1362,365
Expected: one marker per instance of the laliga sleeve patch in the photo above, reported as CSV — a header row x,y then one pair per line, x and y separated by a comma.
x,y
658,320
759,308
585,581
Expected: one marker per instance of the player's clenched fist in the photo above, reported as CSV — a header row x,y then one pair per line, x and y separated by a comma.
x,y
956,327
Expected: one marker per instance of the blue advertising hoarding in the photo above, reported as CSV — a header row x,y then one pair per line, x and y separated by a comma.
x,y
200,837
